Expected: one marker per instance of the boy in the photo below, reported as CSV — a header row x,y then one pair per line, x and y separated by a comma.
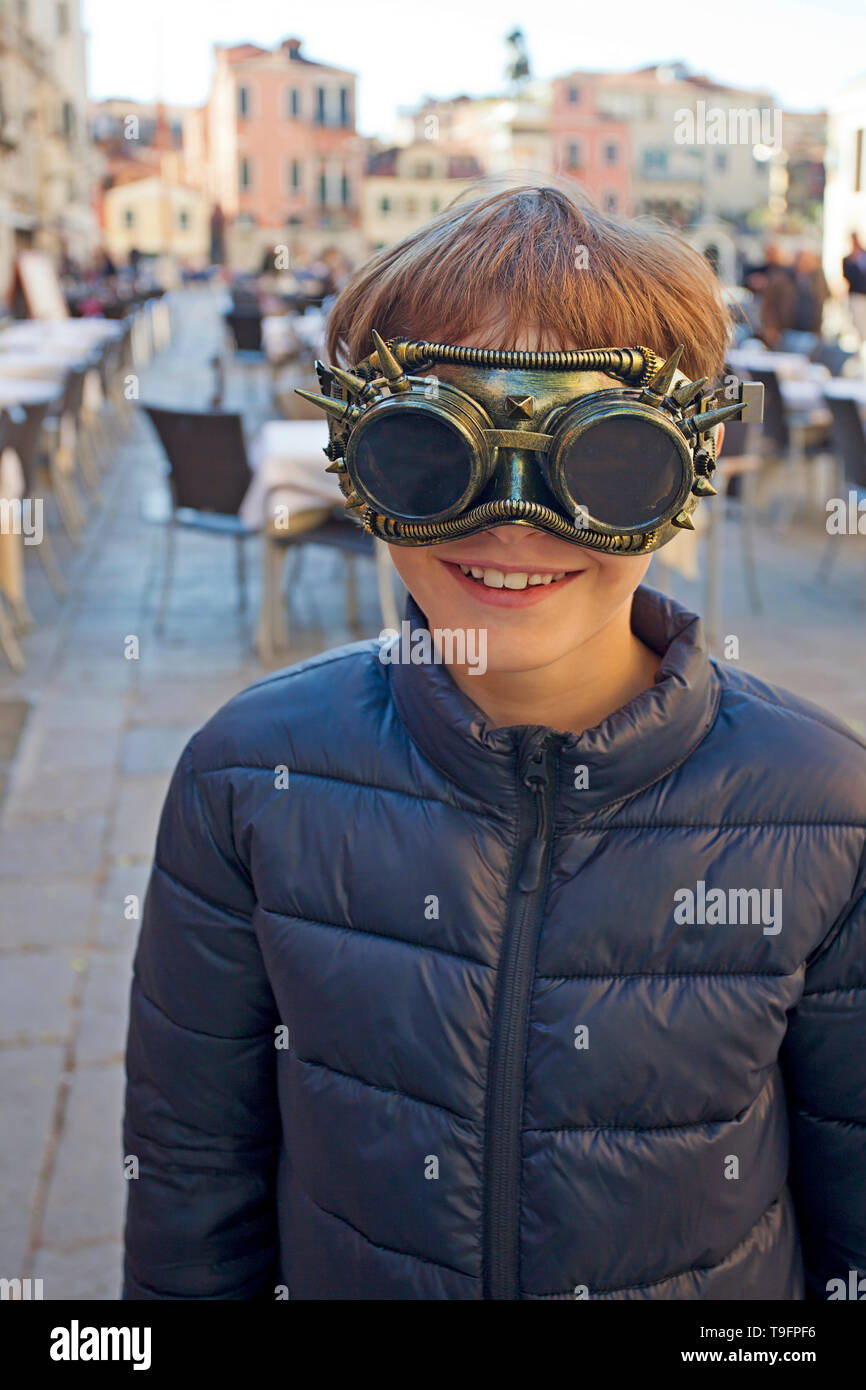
x,y
536,977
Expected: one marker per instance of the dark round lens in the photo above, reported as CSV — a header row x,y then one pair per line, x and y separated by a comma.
x,y
412,463
624,470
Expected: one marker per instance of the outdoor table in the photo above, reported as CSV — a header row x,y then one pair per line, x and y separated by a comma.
x,y
47,366
786,365
289,470
23,391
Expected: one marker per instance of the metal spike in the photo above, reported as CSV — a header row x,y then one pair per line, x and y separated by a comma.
x,y
685,394
704,488
684,521
660,383
341,410
391,369
356,384
706,420
358,506
338,466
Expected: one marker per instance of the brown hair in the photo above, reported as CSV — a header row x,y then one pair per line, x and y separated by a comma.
x,y
537,256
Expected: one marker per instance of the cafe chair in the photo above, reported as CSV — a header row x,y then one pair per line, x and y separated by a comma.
x,y
849,447
208,475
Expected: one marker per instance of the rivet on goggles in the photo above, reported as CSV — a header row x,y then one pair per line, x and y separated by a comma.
x,y
506,436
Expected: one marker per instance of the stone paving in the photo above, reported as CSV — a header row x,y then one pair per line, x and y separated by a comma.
x,y
86,779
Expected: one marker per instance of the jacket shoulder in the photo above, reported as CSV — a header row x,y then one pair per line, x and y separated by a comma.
x,y
298,710
804,758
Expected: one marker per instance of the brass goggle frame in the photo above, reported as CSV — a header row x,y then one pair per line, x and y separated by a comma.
x,y
380,385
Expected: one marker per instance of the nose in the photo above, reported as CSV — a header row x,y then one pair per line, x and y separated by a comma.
x,y
513,535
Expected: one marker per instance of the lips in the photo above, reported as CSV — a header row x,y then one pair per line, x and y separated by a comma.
x,y
508,587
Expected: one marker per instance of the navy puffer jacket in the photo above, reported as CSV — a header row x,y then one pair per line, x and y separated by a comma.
x,y
425,1009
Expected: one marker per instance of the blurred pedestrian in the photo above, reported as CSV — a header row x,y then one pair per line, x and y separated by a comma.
x,y
778,296
812,291
854,271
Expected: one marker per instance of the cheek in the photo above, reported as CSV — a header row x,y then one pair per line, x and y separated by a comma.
x,y
620,575
412,563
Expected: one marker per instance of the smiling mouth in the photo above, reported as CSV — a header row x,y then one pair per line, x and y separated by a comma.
x,y
489,577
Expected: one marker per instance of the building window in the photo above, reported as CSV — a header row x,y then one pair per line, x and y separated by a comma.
x,y
721,161
183,219
67,116
610,202
294,173
320,106
323,189
573,156
574,96
655,160
858,161
384,204
62,18
412,206
245,104
345,114
128,217
293,105
345,191
434,205
246,173
611,154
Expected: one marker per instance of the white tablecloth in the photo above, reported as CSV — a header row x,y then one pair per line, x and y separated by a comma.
x,y
287,455
23,391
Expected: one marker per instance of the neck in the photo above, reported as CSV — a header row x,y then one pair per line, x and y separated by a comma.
x,y
573,693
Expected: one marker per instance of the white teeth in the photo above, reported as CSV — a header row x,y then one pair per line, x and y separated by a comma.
x,y
517,579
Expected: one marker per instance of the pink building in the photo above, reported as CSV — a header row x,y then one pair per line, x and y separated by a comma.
x,y
286,162
589,147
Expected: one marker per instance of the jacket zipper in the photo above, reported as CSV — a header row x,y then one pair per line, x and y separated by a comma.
x,y
508,1044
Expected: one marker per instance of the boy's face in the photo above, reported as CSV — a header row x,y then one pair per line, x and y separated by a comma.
x,y
527,628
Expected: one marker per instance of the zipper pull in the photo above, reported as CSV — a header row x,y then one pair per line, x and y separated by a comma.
x,y
537,778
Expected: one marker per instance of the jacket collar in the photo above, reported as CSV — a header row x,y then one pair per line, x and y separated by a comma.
x,y
627,751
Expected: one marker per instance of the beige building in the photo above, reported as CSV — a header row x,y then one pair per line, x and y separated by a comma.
x,y
48,164
504,133
405,186
697,149
157,217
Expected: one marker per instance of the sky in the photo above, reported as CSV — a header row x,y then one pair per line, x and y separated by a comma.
x,y
802,52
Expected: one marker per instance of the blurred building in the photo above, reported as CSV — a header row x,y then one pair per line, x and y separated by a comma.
x,y
407,185
153,195
590,146
679,170
805,144
48,164
285,161
845,195
505,134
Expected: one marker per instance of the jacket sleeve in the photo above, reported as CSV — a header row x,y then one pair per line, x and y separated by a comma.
x,y
201,1117
824,1063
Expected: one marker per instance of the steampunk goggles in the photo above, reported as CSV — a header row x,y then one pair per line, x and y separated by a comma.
x,y
542,439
